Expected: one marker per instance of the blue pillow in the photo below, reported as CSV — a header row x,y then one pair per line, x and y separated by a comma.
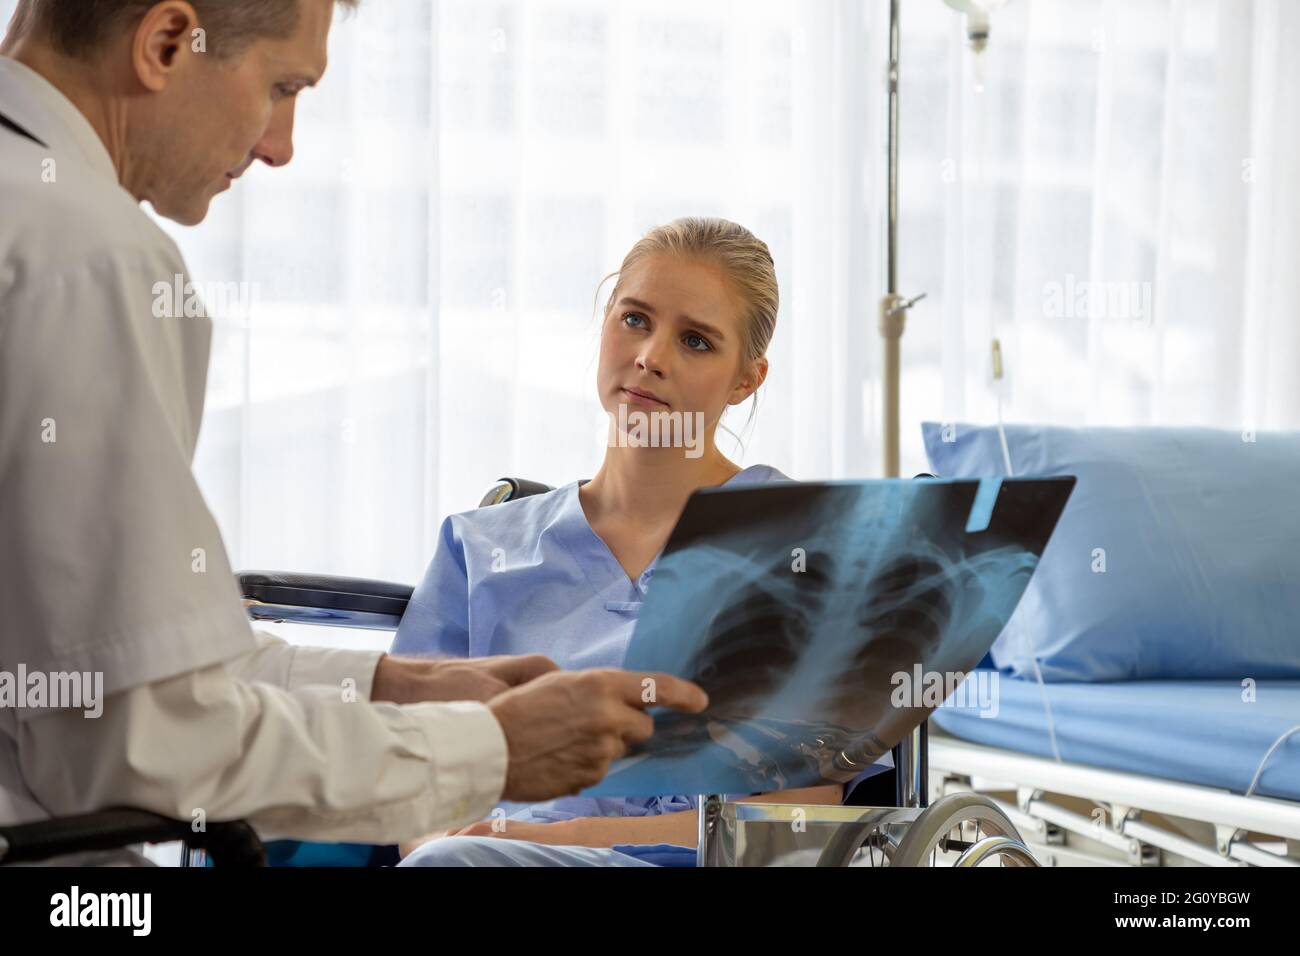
x,y
1176,556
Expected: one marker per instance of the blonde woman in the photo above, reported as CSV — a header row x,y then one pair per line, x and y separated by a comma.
x,y
684,337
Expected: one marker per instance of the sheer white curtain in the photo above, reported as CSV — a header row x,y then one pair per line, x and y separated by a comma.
x,y
1117,206
428,264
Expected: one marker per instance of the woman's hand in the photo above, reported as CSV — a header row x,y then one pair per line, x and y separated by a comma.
x,y
408,847
559,833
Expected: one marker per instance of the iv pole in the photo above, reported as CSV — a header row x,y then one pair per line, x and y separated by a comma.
x,y
893,307
910,753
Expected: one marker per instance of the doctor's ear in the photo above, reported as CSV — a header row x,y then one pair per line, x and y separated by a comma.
x,y
165,35
749,383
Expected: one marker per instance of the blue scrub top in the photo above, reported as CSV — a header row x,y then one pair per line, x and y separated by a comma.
x,y
531,577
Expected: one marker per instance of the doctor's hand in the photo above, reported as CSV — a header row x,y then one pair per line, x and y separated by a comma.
x,y
409,680
563,730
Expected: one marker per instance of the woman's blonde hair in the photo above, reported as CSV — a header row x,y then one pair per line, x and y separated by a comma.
x,y
743,258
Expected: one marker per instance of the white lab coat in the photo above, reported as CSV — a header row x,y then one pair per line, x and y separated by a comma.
x,y
110,560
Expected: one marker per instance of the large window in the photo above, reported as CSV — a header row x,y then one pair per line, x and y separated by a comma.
x,y
1114,205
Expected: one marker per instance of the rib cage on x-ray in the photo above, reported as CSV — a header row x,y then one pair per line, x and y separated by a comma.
x,y
794,614
758,637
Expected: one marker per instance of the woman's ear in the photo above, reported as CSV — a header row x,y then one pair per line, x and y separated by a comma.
x,y
749,383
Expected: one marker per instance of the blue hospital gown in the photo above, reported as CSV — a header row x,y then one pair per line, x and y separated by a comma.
x,y
531,577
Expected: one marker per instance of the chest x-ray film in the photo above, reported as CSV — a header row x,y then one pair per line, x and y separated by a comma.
x,y
815,615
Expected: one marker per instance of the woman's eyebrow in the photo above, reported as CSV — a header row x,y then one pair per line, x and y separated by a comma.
x,y
647,307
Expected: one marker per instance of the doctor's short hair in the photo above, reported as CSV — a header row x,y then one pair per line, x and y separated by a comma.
x,y
743,258
79,28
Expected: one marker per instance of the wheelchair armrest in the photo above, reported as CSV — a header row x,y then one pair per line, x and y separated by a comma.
x,y
229,844
510,489
323,599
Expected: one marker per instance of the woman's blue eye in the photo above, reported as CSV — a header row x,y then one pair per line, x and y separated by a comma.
x,y
694,341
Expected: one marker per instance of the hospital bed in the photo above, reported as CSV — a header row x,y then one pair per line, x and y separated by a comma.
x,y
1142,773
961,829
1149,718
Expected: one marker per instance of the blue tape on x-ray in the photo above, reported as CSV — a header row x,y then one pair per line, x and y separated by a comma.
x,y
981,512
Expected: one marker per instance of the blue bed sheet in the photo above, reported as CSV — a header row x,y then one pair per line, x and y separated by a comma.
x,y
1200,732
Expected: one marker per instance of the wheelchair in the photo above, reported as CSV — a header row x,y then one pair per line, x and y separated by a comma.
x,y
874,827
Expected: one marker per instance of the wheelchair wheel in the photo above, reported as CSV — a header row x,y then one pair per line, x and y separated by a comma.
x,y
969,824
878,839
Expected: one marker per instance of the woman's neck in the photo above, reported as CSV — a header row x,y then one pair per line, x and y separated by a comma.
x,y
648,487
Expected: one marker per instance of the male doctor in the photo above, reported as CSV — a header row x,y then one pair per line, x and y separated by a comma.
x,y
105,104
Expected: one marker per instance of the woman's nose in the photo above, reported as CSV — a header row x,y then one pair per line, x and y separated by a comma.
x,y
653,357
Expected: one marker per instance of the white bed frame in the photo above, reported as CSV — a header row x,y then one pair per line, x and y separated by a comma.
x,y
1074,815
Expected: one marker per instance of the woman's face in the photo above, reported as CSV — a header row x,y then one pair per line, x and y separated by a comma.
x,y
673,342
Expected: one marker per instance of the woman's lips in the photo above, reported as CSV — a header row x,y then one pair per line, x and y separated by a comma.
x,y
644,398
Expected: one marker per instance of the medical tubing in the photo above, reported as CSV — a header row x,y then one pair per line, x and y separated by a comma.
x,y
1260,769
1038,674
